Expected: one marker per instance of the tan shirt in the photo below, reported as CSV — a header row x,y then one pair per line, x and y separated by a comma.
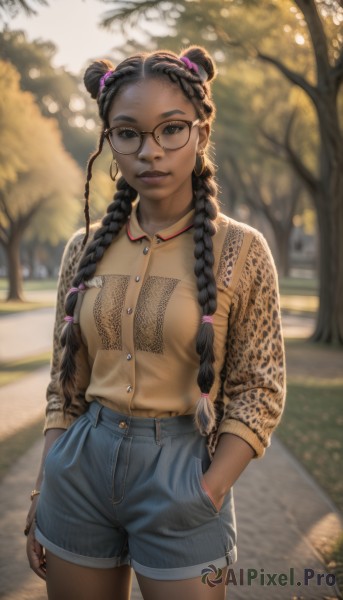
x,y
139,319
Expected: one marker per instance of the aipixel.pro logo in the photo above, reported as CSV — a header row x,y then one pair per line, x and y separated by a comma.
x,y
211,575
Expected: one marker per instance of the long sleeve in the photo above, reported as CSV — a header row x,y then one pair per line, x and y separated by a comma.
x,y
254,385
54,410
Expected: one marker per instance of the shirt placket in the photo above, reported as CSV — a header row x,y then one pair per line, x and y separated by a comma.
x,y
145,251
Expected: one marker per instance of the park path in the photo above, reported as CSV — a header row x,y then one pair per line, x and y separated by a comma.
x,y
283,517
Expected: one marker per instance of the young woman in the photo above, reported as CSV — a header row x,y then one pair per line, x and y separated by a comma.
x,y
172,370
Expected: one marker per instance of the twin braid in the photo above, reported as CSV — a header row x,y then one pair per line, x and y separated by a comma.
x,y
117,215
206,210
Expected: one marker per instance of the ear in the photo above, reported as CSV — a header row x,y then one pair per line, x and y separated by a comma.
x,y
204,134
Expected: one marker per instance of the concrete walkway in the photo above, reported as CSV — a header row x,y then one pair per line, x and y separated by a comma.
x,y
283,517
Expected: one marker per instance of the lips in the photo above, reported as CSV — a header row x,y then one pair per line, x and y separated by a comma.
x,y
152,174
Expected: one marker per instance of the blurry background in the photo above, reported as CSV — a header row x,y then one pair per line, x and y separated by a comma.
x,y
279,149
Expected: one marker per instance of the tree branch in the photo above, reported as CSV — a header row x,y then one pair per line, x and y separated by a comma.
x,y
319,40
25,219
291,75
3,235
305,174
4,207
337,70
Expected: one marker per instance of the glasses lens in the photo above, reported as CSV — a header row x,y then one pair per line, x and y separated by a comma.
x,y
172,134
125,140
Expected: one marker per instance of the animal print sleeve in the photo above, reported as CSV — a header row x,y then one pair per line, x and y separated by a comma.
x,y
54,410
254,385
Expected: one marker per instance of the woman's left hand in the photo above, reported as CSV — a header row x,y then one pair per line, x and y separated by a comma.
x,y
231,456
215,496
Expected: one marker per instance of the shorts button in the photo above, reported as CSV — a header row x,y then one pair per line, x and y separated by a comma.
x,y
122,425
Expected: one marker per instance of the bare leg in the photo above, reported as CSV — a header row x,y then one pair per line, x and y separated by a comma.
x,y
186,589
66,581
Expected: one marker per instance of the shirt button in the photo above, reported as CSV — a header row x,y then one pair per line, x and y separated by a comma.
x,y
137,278
146,250
158,241
129,357
129,389
122,425
129,311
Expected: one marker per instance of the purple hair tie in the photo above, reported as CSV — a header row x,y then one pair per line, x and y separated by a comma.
x,y
69,319
103,79
189,64
207,319
80,288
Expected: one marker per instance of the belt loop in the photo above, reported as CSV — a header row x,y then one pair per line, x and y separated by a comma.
x,y
97,410
158,431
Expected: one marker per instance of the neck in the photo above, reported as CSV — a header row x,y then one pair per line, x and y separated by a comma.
x,y
157,218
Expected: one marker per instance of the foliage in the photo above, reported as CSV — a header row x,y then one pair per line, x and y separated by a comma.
x,y
35,171
13,7
59,94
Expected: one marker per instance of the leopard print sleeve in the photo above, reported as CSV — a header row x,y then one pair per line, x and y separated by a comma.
x,y
254,385
55,417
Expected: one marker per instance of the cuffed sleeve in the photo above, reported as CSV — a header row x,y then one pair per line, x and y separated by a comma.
x,y
254,385
55,417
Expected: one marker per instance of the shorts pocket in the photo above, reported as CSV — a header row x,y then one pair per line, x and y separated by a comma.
x,y
202,493
54,444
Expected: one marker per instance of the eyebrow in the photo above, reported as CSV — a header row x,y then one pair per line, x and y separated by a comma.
x,y
164,115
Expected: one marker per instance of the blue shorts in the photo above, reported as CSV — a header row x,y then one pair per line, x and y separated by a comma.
x,y
126,490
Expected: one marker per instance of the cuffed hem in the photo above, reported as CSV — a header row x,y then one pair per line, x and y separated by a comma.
x,y
186,572
57,421
243,431
79,559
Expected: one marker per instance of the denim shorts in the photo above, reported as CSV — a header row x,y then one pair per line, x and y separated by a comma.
x,y
123,490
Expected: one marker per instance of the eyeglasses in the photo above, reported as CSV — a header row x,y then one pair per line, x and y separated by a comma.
x,y
170,135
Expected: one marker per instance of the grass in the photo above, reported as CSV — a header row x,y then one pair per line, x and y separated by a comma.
x,y
32,285
13,370
299,295
13,447
312,429
298,285
12,307
334,560
311,425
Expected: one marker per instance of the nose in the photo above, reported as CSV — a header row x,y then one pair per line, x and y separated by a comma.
x,y
150,148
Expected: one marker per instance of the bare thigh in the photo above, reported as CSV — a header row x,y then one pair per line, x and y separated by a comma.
x,y
186,589
68,581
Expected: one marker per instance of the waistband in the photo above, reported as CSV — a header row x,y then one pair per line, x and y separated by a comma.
x,y
127,425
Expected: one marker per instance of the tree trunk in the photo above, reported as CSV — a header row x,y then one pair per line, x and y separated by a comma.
x,y
329,327
282,240
329,203
12,249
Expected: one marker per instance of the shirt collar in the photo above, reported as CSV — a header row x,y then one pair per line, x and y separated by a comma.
x,y
135,232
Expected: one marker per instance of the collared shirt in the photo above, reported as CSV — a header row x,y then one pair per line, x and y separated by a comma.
x,y
139,320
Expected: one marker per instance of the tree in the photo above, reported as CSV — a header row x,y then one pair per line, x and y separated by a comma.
x,y
319,74
37,176
13,7
59,94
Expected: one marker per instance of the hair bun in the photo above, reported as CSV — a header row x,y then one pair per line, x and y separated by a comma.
x,y
201,57
93,75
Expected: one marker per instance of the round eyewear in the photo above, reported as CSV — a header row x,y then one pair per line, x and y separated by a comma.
x,y
169,135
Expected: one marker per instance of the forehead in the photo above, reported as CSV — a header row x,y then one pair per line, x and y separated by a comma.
x,y
151,98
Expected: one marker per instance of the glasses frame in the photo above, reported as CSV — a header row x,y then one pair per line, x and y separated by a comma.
x,y
190,125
